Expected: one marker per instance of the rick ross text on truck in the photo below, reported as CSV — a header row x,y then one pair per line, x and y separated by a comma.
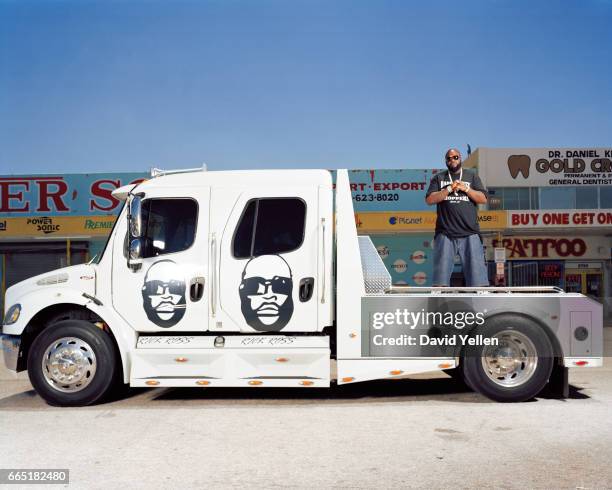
x,y
259,279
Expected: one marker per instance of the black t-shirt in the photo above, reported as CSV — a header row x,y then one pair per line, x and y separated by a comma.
x,y
457,214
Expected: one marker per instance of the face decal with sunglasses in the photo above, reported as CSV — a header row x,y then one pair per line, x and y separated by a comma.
x,y
163,294
266,293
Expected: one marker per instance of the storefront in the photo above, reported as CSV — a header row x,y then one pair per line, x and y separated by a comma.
x,y
51,221
559,216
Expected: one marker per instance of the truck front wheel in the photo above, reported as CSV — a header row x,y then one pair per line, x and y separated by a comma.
x,y
72,363
517,364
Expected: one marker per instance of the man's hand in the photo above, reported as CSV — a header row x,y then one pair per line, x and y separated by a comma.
x,y
476,196
460,186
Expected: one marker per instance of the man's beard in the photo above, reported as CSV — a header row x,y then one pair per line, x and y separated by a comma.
x,y
179,312
285,311
454,170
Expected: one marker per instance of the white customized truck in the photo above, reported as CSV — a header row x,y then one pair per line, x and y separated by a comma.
x,y
259,279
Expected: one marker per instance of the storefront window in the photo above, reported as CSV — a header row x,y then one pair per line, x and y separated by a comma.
x,y
496,197
587,197
557,198
535,198
605,197
550,274
514,198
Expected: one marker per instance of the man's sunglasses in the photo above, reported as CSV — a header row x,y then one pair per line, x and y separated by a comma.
x,y
258,285
157,288
454,157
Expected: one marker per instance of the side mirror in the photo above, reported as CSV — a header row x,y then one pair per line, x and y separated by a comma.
x,y
136,249
135,217
134,238
135,254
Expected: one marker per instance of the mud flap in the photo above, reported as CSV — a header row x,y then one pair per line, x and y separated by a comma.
x,y
558,384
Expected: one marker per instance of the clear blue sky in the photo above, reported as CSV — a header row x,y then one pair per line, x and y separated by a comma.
x,y
126,85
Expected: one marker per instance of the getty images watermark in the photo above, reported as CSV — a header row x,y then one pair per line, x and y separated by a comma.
x,y
404,318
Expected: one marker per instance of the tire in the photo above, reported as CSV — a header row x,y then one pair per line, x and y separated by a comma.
x,y
518,368
85,367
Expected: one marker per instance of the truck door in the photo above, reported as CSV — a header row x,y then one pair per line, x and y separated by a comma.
x,y
168,293
267,258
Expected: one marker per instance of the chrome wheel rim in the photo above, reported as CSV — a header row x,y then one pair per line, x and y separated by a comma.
x,y
69,364
512,362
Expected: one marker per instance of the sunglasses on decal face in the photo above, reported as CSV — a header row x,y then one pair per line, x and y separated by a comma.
x,y
452,157
258,285
159,288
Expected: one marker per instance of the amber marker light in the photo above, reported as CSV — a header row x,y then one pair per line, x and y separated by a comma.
x,y
445,365
396,372
306,383
202,382
255,382
348,379
282,359
181,359
152,382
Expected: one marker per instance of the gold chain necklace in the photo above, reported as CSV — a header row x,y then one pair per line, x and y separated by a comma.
x,y
451,178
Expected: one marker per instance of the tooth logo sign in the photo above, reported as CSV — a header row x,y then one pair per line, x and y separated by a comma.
x,y
519,164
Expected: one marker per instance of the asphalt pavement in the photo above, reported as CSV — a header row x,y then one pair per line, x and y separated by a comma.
x,y
426,431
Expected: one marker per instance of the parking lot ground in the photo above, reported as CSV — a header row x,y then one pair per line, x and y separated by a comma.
x,y
426,431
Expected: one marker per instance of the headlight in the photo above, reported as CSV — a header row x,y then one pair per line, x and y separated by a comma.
x,y
12,315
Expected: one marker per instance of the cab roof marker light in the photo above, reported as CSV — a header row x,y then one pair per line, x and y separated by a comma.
x,y
396,372
255,382
152,382
158,172
348,379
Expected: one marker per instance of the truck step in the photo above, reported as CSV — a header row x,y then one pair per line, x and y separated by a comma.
x,y
231,361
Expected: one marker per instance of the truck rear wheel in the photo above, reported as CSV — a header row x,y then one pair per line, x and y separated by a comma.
x,y
72,363
517,368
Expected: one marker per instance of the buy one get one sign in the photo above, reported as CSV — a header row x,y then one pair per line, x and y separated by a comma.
x,y
560,218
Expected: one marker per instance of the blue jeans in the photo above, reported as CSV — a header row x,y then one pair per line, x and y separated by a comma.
x,y
471,253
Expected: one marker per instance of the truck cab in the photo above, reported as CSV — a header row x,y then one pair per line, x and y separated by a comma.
x,y
230,252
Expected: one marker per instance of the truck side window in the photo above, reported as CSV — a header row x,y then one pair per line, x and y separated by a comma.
x,y
169,224
270,226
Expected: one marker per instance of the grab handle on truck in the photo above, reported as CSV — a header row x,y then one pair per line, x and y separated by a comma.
x,y
323,282
213,274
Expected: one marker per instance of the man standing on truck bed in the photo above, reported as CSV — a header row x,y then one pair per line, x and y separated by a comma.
x,y
457,193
